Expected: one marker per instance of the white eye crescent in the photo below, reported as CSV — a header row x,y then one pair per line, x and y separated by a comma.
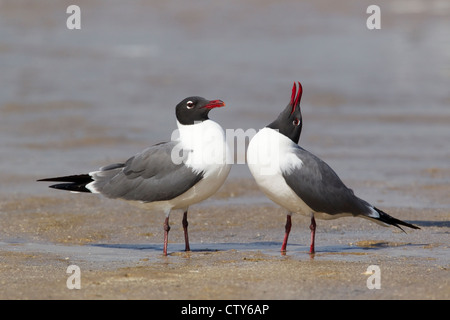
x,y
189,104
296,122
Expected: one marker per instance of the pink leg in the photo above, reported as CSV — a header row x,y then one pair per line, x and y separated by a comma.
x,y
185,228
287,229
166,235
312,227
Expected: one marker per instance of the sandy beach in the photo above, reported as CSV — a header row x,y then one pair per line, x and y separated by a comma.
x,y
235,252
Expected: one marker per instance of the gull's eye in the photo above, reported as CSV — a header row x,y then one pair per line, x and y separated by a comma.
x,y
189,104
296,122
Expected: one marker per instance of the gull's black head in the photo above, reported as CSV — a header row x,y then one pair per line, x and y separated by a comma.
x,y
195,109
289,122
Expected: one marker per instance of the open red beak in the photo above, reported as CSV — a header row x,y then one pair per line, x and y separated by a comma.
x,y
295,101
215,104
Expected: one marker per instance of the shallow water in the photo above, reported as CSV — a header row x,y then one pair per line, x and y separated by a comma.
x,y
376,103
130,254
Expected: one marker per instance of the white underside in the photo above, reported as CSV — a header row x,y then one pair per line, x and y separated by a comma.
x,y
266,158
210,154
268,155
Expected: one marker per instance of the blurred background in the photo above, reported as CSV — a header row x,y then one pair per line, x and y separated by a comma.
x,y
376,103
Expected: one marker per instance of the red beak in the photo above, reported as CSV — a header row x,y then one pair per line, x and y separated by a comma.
x,y
295,101
215,104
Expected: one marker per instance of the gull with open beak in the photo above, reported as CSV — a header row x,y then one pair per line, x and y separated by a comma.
x,y
299,181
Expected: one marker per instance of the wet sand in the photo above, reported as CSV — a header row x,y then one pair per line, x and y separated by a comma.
x,y
235,252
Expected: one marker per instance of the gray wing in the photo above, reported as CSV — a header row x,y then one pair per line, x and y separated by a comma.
x,y
320,187
148,176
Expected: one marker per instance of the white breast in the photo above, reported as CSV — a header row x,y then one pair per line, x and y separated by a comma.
x,y
209,154
207,142
269,154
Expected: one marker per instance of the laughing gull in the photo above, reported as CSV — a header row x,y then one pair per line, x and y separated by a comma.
x,y
169,175
299,181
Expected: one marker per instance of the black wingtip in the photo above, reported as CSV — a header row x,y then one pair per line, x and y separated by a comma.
x,y
75,183
72,178
70,187
384,217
